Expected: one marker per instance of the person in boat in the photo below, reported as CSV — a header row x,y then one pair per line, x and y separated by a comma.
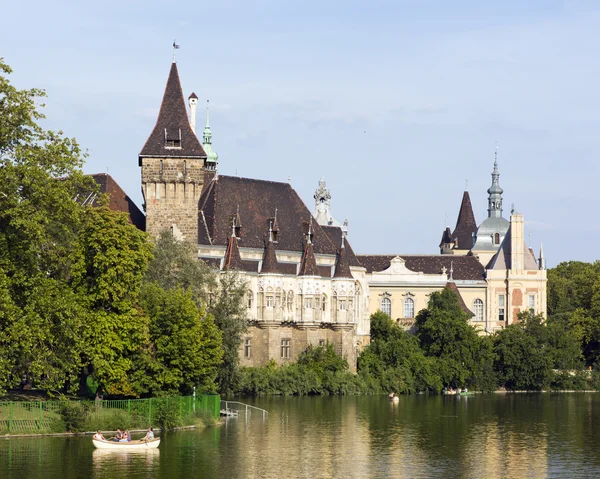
x,y
119,436
149,435
98,436
126,437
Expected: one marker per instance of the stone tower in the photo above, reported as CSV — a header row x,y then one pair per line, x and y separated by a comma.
x,y
173,168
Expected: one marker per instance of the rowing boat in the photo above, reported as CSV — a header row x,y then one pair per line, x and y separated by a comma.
x,y
127,446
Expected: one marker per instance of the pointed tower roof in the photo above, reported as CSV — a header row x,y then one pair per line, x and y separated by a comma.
x,y
211,156
466,225
269,264
308,265
172,135
233,260
446,237
342,267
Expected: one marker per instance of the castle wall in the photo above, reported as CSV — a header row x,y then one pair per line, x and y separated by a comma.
x,y
171,188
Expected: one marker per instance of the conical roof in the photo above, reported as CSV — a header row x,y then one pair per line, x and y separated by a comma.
x,y
172,135
269,264
308,265
233,260
342,267
466,226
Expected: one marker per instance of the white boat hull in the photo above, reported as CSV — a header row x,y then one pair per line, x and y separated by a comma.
x,y
126,446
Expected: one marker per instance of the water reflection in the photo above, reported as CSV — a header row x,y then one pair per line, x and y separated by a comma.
x,y
491,436
105,460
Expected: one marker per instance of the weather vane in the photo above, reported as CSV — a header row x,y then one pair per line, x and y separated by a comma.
x,y
175,47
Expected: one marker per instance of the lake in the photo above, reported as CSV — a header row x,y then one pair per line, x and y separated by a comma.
x,y
484,436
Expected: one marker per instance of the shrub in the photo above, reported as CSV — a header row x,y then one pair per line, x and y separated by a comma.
x,y
73,415
167,415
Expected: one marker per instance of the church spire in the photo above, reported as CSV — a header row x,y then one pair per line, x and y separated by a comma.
x,y
211,156
495,193
269,263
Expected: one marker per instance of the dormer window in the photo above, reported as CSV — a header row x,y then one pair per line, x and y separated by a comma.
x,y
172,138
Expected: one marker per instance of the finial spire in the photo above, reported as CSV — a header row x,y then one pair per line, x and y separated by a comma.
x,y
495,192
207,105
310,231
451,270
233,227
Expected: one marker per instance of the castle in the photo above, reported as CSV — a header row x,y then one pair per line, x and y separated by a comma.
x,y
305,284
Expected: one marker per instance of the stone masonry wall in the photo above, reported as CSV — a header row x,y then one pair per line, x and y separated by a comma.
x,y
171,188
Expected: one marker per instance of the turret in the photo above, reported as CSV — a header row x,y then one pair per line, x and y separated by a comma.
x,y
211,156
495,193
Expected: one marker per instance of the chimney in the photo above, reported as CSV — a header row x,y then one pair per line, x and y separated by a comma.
x,y
517,240
193,103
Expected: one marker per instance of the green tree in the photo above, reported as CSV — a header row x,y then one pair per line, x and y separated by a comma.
x,y
229,311
185,345
395,360
112,258
40,179
176,264
444,332
524,360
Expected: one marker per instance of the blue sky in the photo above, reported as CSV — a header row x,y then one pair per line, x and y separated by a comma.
x,y
395,103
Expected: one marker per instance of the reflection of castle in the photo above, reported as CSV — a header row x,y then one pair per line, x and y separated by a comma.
x,y
305,284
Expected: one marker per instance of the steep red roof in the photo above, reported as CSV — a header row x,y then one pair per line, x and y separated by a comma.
x,y
118,200
173,124
465,224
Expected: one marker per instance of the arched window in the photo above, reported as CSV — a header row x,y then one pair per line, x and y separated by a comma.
x,y
324,302
386,306
497,238
478,310
409,308
250,296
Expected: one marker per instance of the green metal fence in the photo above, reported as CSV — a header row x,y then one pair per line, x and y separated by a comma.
x,y
37,416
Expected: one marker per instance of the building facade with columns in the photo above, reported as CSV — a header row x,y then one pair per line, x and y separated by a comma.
x,y
305,285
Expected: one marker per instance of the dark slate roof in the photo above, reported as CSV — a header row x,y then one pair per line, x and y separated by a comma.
x,y
269,264
118,200
308,265
446,237
465,267
257,201
465,224
233,259
335,235
342,268
174,119
193,95
461,302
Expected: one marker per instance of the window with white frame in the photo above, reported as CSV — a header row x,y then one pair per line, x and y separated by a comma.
x,y
285,349
342,303
269,298
250,296
386,306
308,302
501,307
409,308
247,347
478,310
532,303
324,302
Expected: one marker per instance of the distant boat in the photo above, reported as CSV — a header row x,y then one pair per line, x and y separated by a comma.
x,y
127,446
467,393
